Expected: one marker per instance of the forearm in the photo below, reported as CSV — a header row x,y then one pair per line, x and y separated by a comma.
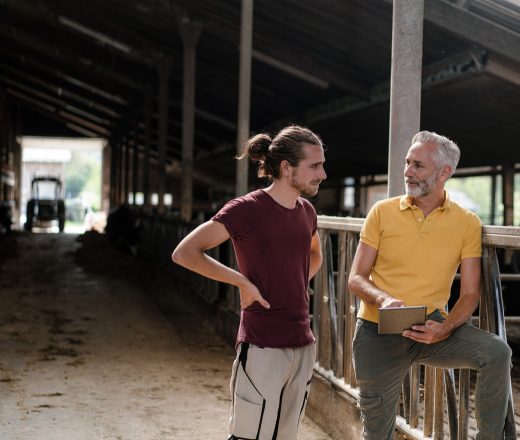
x,y
461,312
469,295
199,262
366,290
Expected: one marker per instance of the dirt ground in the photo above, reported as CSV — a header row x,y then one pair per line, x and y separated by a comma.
x,y
86,354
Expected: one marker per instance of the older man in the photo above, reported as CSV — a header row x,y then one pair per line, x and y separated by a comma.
x,y
409,252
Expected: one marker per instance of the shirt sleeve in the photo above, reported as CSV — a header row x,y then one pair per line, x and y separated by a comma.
x,y
371,231
472,246
313,218
231,216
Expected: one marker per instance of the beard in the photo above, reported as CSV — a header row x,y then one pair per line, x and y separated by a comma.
x,y
422,187
309,189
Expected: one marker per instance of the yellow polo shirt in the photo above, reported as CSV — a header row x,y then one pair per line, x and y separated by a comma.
x,y
417,256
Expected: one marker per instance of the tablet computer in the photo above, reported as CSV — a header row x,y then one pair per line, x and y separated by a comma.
x,y
393,320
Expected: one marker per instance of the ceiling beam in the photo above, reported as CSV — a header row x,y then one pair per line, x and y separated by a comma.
x,y
62,53
473,27
61,92
29,61
503,70
58,17
291,70
56,105
270,52
51,112
454,68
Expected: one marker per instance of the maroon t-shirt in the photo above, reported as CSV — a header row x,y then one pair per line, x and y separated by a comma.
x,y
272,246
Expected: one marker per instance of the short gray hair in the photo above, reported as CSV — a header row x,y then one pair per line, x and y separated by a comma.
x,y
447,153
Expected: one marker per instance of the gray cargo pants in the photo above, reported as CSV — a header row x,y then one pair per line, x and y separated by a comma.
x,y
269,391
382,361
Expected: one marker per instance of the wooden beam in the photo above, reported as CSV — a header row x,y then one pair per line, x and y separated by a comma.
x,y
473,27
62,92
443,71
51,112
64,54
503,70
55,105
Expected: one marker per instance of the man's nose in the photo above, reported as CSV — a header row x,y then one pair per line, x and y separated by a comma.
x,y
323,174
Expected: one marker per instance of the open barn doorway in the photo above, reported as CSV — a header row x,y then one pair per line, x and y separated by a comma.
x,y
64,184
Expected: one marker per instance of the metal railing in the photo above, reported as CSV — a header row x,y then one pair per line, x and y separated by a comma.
x,y
430,405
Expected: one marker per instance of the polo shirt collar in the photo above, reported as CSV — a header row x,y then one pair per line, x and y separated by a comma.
x,y
406,202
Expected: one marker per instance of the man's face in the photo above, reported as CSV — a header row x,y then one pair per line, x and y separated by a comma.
x,y
421,174
309,173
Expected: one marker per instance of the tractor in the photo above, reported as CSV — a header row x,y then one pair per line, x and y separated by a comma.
x,y
46,204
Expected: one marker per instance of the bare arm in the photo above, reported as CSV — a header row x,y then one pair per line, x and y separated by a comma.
x,y
316,256
360,284
190,253
468,300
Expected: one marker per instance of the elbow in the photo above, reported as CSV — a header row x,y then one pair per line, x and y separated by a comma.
x,y
185,256
178,255
352,282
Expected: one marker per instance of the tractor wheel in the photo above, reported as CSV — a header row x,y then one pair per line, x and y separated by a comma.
x,y
30,215
61,216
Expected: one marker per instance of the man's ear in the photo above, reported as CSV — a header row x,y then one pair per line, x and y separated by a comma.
x,y
285,168
445,172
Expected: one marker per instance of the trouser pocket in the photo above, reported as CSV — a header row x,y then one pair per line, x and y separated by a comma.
x,y
248,407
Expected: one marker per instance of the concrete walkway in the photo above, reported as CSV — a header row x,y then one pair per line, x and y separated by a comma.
x,y
86,354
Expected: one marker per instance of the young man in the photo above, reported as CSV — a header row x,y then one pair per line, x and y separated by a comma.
x,y
408,254
274,234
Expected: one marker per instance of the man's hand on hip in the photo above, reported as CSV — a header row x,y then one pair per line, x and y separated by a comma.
x,y
249,293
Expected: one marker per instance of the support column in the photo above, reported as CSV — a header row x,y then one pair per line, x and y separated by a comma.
x,y
119,172
190,33
17,167
244,93
405,87
508,192
4,129
113,173
135,161
4,147
106,178
164,67
147,131
493,210
127,171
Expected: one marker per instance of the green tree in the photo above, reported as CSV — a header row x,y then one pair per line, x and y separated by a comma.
x,y
83,176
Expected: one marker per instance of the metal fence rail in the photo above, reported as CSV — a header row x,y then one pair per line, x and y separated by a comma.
x,y
430,404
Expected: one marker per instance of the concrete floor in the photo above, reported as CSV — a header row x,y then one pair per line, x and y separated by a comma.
x,y
86,354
